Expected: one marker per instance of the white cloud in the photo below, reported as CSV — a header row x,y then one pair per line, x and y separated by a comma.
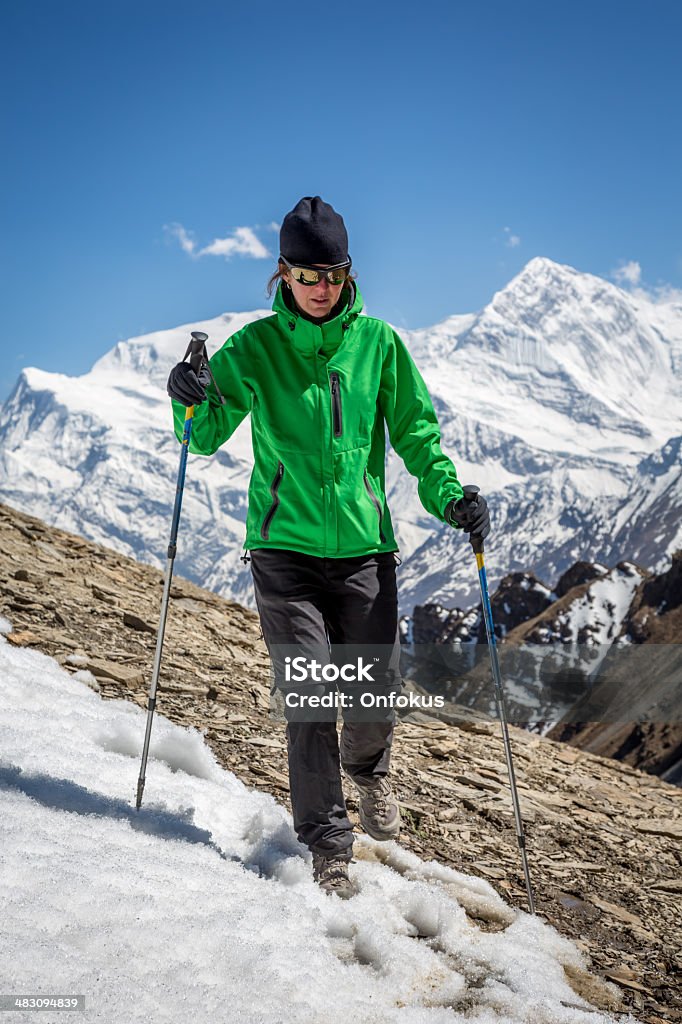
x,y
512,240
187,243
668,293
660,294
630,274
242,242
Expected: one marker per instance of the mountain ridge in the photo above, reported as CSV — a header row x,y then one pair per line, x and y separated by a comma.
x,y
576,455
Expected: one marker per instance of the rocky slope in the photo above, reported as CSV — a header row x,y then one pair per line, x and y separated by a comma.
x,y
654,621
618,632
603,839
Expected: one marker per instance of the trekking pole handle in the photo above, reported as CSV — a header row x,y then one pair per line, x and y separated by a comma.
x,y
198,359
471,492
197,350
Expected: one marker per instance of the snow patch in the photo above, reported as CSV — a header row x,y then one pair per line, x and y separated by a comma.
x,y
172,911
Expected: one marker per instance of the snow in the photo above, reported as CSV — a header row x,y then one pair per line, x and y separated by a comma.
x,y
597,617
201,905
77,659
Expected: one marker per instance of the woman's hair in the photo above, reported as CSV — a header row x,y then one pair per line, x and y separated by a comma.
x,y
275,278
279,276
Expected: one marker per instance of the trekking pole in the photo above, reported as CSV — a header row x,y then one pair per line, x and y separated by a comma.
x,y
471,494
196,350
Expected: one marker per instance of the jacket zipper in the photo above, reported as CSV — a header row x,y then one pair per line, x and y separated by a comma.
x,y
336,404
274,487
377,506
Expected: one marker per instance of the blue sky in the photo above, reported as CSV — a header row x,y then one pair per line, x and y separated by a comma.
x,y
458,140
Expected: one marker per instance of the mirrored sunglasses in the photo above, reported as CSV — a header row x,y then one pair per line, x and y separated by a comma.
x,y
313,275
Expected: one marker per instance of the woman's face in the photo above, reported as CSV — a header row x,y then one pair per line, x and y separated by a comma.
x,y
316,300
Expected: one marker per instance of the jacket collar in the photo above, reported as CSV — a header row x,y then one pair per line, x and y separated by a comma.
x,y
325,337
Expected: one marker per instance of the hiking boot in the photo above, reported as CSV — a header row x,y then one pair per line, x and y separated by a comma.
x,y
331,874
379,811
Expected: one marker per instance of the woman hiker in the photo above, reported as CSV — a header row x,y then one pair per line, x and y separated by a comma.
x,y
322,384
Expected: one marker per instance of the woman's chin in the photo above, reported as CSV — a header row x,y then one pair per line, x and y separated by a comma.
x,y
319,308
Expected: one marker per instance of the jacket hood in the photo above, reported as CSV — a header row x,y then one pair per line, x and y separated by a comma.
x,y
318,338
354,305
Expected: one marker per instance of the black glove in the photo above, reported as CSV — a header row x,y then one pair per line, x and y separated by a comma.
x,y
187,387
471,516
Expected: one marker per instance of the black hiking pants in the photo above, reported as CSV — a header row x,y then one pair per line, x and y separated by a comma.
x,y
320,605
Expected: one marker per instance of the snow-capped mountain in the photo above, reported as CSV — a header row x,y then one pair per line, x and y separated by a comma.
x,y
585,615
561,399
97,455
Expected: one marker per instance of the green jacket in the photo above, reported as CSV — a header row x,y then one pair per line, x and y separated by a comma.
x,y
320,398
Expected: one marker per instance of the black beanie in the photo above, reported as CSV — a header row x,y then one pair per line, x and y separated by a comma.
x,y
313,232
